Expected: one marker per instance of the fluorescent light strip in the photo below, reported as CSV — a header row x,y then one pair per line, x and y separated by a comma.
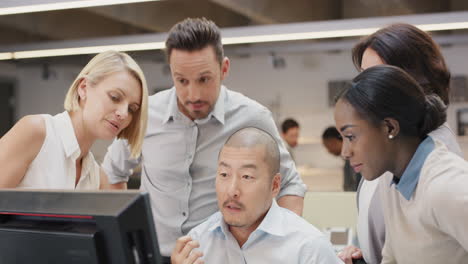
x,y
82,50
226,41
299,36
64,5
6,55
444,26
333,33
161,45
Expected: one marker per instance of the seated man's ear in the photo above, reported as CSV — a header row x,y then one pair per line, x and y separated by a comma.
x,y
276,184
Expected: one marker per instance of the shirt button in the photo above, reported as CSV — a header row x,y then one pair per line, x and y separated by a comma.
x,y
183,213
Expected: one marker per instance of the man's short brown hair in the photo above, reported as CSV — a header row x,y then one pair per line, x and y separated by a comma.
x,y
194,34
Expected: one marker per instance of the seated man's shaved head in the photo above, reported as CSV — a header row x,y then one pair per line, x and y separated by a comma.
x,y
247,180
251,137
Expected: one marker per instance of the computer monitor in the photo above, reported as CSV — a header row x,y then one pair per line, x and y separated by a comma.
x,y
77,227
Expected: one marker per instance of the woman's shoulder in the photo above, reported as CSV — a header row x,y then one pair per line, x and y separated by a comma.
x,y
32,128
445,135
22,144
443,168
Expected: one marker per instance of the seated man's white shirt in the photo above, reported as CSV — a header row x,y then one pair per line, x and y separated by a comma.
x,y
282,237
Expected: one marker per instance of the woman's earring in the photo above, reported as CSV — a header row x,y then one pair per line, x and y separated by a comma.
x,y
390,136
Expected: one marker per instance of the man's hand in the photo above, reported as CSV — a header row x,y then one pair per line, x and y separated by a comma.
x,y
349,253
183,252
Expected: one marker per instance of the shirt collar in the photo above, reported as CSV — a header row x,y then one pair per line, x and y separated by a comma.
x,y
219,225
172,108
67,135
273,221
70,144
86,166
218,110
271,224
410,177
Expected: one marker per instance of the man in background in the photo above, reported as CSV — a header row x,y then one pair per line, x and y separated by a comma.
x,y
290,134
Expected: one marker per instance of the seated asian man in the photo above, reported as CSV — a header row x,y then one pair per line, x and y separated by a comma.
x,y
250,226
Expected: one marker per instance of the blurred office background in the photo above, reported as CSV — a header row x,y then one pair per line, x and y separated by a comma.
x,y
296,77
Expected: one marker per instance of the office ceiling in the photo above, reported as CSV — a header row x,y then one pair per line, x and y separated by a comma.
x,y
159,16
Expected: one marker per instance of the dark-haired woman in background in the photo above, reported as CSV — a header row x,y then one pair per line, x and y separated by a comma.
x,y
414,51
384,119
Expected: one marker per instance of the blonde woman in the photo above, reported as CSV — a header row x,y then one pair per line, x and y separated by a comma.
x,y
108,99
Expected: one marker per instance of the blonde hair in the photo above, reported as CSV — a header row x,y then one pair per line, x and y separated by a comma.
x,y
101,66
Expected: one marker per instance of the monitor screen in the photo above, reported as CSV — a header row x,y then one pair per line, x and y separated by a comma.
x,y
77,227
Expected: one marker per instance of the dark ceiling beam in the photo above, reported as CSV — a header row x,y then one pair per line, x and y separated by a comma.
x,y
277,11
373,8
68,24
162,15
458,5
253,10
14,36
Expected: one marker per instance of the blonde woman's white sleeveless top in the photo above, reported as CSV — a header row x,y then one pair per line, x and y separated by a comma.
x,y
55,165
